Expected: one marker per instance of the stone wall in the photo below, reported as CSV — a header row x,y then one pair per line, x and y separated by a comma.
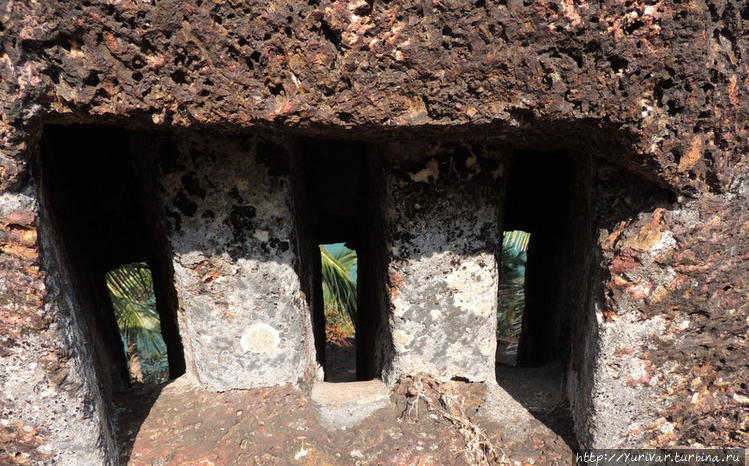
x,y
52,408
676,314
656,89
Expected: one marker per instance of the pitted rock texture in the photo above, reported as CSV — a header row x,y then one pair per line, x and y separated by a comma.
x,y
655,86
51,410
442,230
702,395
281,425
673,323
663,78
242,315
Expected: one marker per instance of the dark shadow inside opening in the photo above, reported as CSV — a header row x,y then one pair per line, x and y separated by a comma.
x,y
337,200
102,216
546,197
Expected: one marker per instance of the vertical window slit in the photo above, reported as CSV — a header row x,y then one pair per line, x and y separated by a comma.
x,y
133,299
543,224
512,295
337,190
339,285
98,197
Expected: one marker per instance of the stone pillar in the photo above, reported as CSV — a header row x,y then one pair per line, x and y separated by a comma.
x,y
443,236
243,319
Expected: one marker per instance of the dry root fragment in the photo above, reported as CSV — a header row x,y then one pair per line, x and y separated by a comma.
x,y
447,404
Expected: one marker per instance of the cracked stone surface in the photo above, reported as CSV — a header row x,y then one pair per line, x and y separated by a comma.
x,y
243,316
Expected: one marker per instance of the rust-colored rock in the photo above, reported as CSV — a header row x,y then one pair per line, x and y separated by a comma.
x,y
647,98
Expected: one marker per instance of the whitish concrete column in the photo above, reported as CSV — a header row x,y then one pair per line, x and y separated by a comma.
x,y
443,235
243,318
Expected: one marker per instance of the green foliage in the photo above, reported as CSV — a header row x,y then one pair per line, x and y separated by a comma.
x,y
515,242
339,286
134,302
512,284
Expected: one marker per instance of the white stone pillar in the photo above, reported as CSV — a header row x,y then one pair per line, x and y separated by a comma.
x,y
243,319
443,235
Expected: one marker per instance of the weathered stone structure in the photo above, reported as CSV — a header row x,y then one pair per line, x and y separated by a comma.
x,y
442,223
187,133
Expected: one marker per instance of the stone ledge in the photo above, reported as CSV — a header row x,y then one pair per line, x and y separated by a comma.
x,y
343,405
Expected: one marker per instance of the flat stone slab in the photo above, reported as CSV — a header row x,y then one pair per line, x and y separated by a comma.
x,y
343,405
180,423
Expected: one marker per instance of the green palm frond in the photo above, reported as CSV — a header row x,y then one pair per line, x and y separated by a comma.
x,y
516,240
131,291
512,284
346,258
339,287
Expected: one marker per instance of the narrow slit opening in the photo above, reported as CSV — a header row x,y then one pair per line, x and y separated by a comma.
x,y
511,295
541,274
95,194
340,299
338,202
133,299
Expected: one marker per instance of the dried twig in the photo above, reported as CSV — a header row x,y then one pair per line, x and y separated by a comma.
x,y
479,449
